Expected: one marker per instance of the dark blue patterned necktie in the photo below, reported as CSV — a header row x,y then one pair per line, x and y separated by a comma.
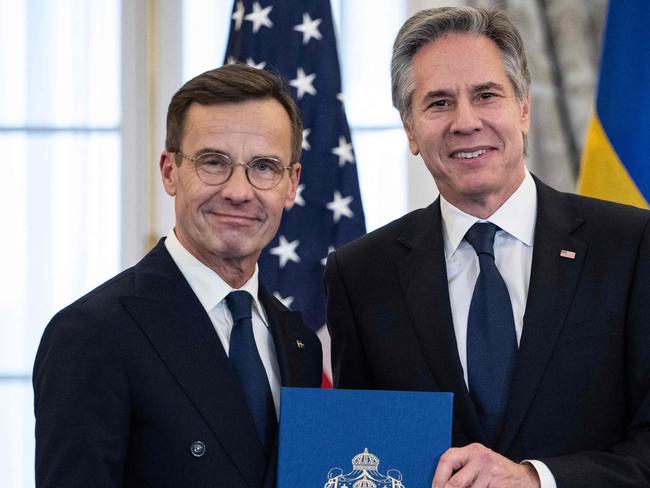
x,y
246,362
491,339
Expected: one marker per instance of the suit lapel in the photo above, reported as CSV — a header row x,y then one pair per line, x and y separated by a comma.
x,y
553,281
289,343
287,338
423,279
172,318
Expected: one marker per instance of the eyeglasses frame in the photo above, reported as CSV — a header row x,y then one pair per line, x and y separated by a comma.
x,y
197,163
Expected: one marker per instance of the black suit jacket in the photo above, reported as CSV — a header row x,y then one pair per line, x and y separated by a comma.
x,y
133,374
580,396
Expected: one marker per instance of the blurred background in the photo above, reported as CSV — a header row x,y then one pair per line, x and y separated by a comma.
x,y
84,88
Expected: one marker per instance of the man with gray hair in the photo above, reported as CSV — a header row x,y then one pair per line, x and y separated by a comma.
x,y
530,305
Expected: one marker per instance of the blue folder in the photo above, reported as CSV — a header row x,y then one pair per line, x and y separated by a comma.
x,y
354,438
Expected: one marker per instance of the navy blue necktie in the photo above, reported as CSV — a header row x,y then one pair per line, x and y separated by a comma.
x,y
246,362
491,339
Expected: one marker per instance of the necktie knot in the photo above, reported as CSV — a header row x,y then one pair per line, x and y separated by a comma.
x,y
481,237
239,303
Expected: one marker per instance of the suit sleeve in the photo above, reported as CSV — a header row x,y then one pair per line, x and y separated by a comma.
x,y
627,463
348,363
81,404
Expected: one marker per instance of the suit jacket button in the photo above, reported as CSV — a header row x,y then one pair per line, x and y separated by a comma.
x,y
197,449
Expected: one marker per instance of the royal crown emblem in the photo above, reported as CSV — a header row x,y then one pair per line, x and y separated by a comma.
x,y
365,474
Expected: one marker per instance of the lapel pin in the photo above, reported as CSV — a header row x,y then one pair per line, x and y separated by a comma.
x,y
567,254
300,344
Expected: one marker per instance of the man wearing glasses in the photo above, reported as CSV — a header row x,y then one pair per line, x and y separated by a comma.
x,y
169,374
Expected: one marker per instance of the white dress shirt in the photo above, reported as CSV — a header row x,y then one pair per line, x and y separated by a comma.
x,y
513,254
211,290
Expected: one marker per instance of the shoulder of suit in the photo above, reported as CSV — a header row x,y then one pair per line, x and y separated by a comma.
x,y
603,208
592,217
119,285
387,235
100,311
100,300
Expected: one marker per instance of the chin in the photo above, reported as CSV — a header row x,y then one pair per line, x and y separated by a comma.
x,y
230,250
474,187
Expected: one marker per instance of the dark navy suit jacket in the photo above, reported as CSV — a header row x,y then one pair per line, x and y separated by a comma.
x,y
580,396
130,377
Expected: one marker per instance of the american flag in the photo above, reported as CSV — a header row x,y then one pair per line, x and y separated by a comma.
x,y
296,39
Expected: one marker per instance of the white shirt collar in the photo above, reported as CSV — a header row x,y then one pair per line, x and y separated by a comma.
x,y
207,285
516,216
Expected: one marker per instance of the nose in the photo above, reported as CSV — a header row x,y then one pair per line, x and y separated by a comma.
x,y
466,119
237,189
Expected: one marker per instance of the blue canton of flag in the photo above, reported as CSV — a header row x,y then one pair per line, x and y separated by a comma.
x,y
296,39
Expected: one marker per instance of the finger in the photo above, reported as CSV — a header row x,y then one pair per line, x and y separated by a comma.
x,y
451,461
483,479
469,475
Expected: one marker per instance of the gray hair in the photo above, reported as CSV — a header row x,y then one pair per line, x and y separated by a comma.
x,y
429,25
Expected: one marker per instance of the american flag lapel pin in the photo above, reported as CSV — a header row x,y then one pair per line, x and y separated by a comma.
x,y
567,254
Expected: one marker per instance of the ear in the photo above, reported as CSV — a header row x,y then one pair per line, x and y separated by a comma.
x,y
525,114
408,127
168,172
294,181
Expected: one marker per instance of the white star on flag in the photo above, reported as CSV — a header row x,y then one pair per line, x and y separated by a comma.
x,y
260,17
238,15
344,152
329,250
250,62
285,301
340,206
316,225
303,83
299,199
231,60
286,251
305,143
309,28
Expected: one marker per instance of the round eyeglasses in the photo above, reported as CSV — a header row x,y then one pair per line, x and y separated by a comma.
x,y
214,168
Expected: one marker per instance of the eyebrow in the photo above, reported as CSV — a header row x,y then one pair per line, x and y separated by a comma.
x,y
437,94
490,85
210,150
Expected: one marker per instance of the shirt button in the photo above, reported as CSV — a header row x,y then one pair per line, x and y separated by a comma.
x,y
197,449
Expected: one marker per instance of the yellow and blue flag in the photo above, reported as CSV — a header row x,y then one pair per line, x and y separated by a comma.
x,y
616,161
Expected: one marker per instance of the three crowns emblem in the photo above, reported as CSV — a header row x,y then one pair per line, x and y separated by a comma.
x,y
365,474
